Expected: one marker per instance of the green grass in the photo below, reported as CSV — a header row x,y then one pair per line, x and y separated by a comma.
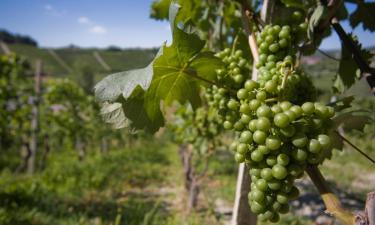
x,y
99,188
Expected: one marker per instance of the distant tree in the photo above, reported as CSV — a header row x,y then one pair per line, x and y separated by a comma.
x,y
10,38
113,48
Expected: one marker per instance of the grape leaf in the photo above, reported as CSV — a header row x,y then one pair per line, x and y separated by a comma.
x,y
123,84
349,72
352,120
318,15
364,14
160,9
342,104
113,114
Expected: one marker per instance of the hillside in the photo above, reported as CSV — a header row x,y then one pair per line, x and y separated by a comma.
x,y
72,61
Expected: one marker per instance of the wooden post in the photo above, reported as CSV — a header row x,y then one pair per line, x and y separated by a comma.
x,y
5,48
35,118
241,210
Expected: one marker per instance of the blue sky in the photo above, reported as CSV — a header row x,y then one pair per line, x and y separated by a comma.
x,y
93,23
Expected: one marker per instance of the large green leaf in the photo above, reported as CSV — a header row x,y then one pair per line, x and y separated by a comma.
x,y
364,14
123,83
180,70
135,97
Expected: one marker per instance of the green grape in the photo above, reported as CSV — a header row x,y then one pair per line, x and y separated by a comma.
x,y
233,146
279,172
281,120
314,146
242,148
256,156
274,47
258,196
273,142
245,119
264,111
271,86
250,85
308,108
254,104
242,94
263,149
232,104
239,157
266,174
227,125
299,155
325,141
274,184
262,184
256,207
261,95
283,159
300,140
253,125
259,137
263,124
246,137
271,160
282,198
245,108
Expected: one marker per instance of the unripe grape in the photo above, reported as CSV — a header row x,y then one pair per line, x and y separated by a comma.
x,y
271,160
232,104
283,159
263,149
261,96
325,141
262,184
253,125
300,140
266,174
246,137
239,157
314,146
245,119
254,104
242,94
264,111
227,125
259,137
279,172
250,85
263,124
308,108
299,155
281,120
273,142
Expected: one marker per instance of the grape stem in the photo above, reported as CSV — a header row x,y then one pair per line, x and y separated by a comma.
x,y
330,200
355,147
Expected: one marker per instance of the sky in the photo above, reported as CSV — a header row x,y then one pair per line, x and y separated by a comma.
x,y
94,23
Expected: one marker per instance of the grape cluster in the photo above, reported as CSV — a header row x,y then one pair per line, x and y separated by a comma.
x,y
232,77
279,133
197,127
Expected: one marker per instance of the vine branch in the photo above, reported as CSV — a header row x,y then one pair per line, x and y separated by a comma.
x,y
355,147
330,200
